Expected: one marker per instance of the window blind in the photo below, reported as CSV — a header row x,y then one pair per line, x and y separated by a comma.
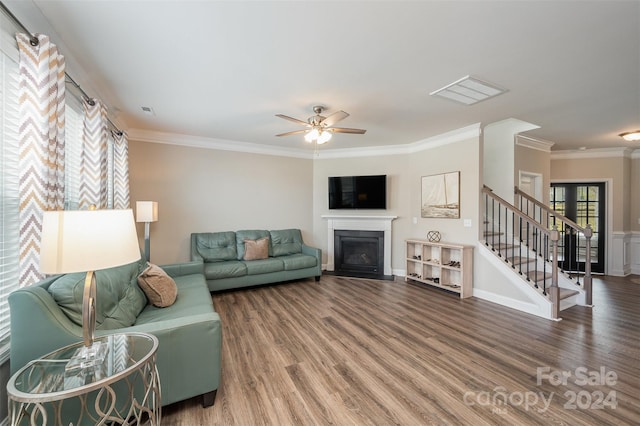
x,y
9,188
72,150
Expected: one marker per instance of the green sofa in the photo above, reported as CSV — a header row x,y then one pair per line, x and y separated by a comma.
x,y
45,317
225,267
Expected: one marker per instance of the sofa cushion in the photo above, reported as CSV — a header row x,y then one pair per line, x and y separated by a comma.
x,y
298,261
256,249
159,287
286,241
228,269
217,246
264,266
194,300
119,300
250,234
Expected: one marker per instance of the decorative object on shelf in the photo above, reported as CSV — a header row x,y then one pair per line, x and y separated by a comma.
x,y
147,212
86,241
441,196
433,236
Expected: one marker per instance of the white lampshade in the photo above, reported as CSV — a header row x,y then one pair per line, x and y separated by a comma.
x,y
146,211
86,240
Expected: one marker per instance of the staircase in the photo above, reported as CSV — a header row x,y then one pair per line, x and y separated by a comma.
x,y
526,239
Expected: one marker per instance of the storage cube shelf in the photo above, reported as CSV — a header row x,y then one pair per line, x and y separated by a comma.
x,y
446,266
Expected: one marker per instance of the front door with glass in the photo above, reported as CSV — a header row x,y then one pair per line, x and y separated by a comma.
x,y
583,203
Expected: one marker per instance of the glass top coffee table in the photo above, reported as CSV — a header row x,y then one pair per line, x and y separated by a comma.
x,y
122,387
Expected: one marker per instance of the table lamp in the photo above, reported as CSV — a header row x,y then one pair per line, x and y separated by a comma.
x,y
86,241
147,212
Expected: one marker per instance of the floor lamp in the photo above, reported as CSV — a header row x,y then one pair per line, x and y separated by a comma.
x,y
86,241
147,212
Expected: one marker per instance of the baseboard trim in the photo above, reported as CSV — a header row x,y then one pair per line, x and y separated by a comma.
x,y
529,308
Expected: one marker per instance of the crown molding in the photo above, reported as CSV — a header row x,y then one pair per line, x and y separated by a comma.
x,y
619,152
453,136
529,142
212,143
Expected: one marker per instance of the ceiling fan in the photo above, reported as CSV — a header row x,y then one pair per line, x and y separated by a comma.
x,y
319,128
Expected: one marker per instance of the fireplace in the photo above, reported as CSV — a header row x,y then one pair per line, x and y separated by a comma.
x,y
359,253
359,223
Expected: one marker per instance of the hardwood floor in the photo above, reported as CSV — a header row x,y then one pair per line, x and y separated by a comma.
x,y
350,351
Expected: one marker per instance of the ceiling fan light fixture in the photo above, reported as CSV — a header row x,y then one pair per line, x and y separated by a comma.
x,y
324,137
631,136
312,135
320,129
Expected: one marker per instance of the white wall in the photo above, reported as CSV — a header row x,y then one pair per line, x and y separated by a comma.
x,y
499,155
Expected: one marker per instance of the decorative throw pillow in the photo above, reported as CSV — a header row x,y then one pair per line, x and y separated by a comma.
x,y
160,288
256,249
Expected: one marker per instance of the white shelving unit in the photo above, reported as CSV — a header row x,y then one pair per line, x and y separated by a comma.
x,y
442,265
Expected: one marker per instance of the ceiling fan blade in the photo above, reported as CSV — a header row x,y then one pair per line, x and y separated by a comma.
x,y
347,130
295,120
295,132
334,118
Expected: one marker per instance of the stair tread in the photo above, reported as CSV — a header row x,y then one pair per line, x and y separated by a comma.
x,y
503,246
520,260
566,293
492,233
536,275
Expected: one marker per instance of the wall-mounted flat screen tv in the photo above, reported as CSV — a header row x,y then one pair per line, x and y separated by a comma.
x,y
358,192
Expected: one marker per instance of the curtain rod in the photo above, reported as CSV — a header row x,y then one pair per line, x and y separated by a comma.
x,y
34,42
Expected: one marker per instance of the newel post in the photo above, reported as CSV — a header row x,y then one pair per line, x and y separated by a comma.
x,y
588,233
554,290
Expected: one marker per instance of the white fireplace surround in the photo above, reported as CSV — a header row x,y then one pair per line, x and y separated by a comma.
x,y
359,223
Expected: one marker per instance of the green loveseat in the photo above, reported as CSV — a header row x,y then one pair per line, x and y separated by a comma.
x,y
225,267
45,317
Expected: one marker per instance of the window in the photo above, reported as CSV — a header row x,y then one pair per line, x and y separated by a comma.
x,y
72,149
9,174
9,188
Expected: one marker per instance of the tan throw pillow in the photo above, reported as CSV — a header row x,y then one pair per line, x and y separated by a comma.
x,y
256,249
160,288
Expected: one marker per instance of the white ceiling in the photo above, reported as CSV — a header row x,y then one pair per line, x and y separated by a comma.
x,y
221,70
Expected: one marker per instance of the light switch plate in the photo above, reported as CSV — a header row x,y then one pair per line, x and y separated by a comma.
x,y
467,223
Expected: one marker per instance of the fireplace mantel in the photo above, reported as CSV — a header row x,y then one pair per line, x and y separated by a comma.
x,y
359,223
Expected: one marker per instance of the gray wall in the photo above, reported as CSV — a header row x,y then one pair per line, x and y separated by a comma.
x,y
202,190
404,173
206,190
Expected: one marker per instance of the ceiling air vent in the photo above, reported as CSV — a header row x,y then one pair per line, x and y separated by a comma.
x,y
148,111
469,90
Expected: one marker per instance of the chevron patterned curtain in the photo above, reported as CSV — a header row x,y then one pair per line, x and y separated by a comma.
x,y
94,156
41,145
120,170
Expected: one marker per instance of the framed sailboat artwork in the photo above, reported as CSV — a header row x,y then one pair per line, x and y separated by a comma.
x,y
441,196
